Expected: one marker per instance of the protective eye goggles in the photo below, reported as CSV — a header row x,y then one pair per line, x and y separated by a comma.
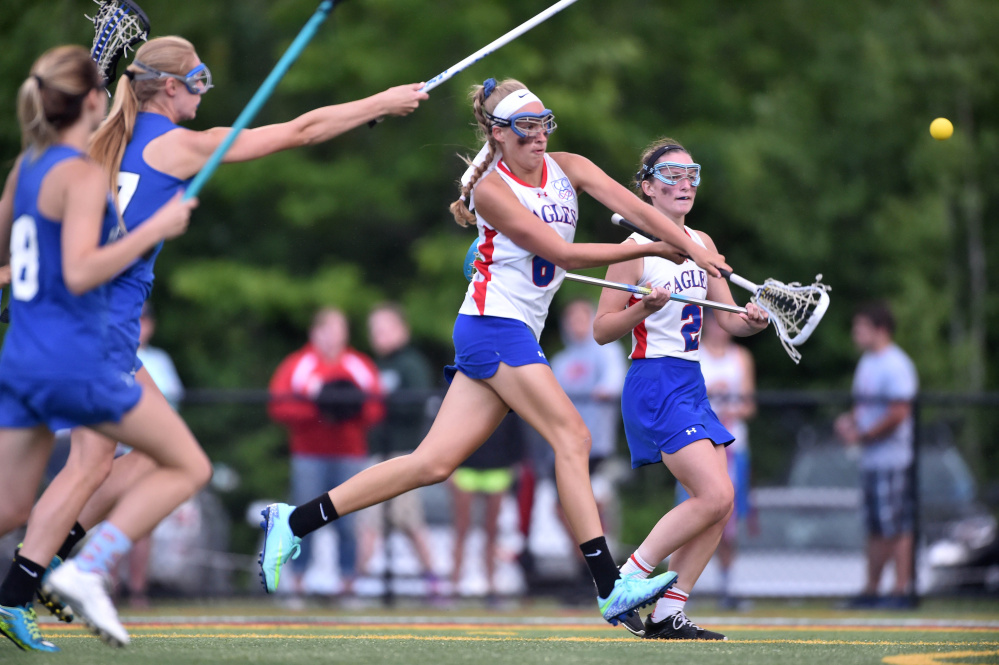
x,y
198,81
672,173
527,125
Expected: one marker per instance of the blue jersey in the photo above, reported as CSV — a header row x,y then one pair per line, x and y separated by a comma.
x,y
52,333
142,190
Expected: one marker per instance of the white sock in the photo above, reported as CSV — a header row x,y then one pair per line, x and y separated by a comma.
x,y
672,602
638,566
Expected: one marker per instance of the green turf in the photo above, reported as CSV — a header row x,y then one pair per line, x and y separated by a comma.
x,y
194,634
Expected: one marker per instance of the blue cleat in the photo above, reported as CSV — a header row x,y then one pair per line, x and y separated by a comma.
x,y
280,544
58,609
20,626
632,592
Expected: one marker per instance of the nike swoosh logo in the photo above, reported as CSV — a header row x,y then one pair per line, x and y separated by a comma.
x,y
597,553
522,95
30,572
323,513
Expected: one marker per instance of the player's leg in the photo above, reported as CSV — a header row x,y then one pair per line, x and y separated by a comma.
x,y
24,454
536,396
154,428
469,413
55,514
701,468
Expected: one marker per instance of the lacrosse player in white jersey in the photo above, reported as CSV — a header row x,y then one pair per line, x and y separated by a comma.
x,y
664,405
525,204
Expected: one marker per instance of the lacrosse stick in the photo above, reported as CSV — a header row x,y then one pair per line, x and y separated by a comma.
x,y
489,48
794,309
118,26
644,290
306,34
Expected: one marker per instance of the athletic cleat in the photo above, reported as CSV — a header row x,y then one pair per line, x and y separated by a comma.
x,y
57,609
88,594
633,622
20,626
631,592
678,627
280,544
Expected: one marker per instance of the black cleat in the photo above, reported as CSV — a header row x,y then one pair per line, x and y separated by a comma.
x,y
678,627
633,622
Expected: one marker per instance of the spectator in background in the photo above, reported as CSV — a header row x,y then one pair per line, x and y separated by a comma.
x,y
884,385
328,396
593,378
405,376
157,361
487,474
730,379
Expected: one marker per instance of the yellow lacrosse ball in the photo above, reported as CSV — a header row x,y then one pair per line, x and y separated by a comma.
x,y
941,129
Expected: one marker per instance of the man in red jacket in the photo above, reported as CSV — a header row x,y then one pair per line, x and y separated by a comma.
x,y
328,396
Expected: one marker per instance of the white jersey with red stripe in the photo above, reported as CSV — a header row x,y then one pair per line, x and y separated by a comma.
x,y
675,330
511,282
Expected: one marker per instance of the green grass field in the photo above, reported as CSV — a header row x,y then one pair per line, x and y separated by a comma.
x,y
772,635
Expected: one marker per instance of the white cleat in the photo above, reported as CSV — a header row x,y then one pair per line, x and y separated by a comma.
x,y
87,593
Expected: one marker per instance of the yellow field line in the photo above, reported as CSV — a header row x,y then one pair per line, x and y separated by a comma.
x,y
539,627
472,638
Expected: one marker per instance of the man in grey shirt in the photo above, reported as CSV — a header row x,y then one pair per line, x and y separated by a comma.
x,y
884,386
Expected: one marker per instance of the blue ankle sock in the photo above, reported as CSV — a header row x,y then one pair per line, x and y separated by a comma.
x,y
104,550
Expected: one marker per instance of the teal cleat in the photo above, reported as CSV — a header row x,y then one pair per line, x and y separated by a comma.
x,y
280,544
631,592
58,609
20,626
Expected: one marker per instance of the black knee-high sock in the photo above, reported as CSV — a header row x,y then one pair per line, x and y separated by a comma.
x,y
22,581
310,516
76,534
601,564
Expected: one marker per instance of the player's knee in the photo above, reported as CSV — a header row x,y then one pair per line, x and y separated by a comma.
x,y
720,503
430,471
202,471
574,445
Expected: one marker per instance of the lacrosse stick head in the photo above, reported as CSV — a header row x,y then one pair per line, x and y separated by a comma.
x,y
118,26
795,310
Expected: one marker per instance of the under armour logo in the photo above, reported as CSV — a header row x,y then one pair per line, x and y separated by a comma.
x,y
691,430
541,353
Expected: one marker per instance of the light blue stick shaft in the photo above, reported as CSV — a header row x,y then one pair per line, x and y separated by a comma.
x,y
260,97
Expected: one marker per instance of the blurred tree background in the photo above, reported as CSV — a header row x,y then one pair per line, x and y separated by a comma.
x,y
810,120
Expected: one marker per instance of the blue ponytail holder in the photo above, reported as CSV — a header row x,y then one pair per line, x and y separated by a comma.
x,y
487,87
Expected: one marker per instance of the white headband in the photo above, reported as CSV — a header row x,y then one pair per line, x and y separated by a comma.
x,y
514,101
506,107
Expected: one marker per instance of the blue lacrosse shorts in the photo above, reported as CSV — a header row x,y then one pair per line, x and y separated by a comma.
x,y
665,407
481,343
66,402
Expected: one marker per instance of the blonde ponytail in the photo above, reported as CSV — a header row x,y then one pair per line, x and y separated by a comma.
x,y
51,98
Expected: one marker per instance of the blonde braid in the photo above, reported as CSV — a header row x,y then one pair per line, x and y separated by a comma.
x,y
462,215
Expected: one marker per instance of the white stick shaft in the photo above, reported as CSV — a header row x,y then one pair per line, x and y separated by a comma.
x,y
732,277
495,44
676,297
